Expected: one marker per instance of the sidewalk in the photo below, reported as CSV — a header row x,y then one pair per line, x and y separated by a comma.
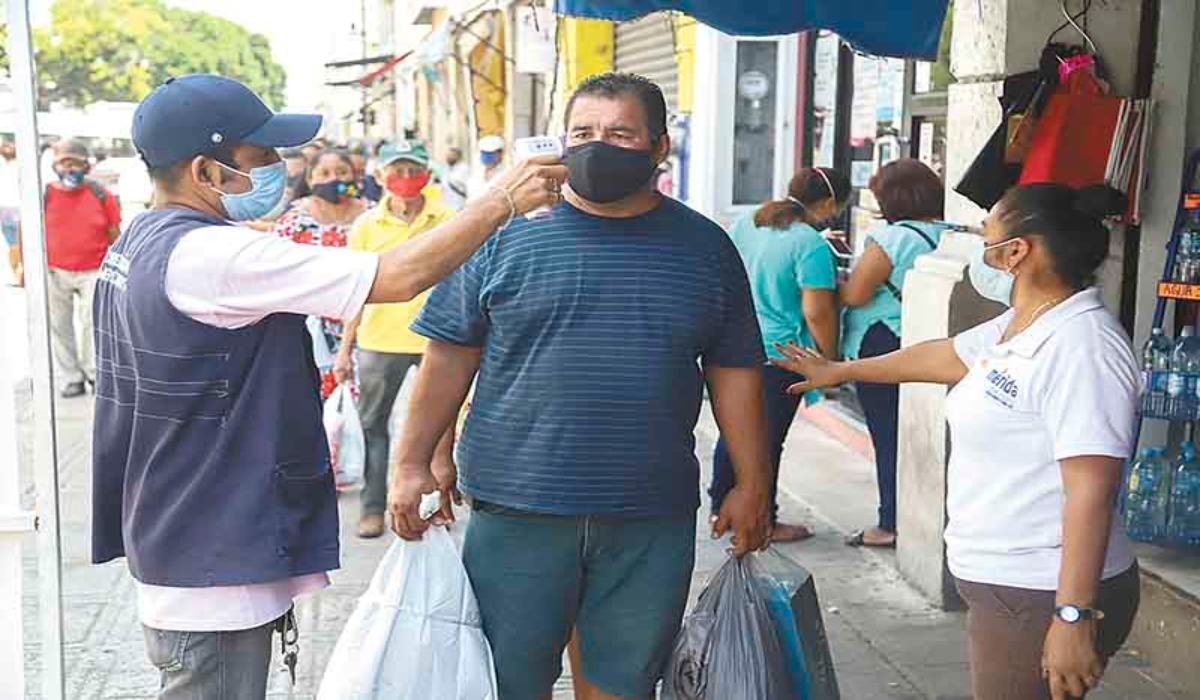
x,y
887,642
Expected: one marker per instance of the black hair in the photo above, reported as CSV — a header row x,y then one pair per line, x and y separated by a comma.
x,y
337,152
1070,221
169,175
808,188
613,85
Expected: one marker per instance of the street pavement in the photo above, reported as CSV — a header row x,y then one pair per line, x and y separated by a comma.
x,y
887,642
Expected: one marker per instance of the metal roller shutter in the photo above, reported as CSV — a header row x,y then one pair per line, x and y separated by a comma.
x,y
646,46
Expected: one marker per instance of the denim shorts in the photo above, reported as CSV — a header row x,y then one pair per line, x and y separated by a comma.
x,y
620,582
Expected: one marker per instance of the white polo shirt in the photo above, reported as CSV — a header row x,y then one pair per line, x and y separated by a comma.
x,y
1065,387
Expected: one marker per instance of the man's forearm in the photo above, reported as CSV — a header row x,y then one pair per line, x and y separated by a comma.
x,y
350,333
737,400
441,387
444,452
412,267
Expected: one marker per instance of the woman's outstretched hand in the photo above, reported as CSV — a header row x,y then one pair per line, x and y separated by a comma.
x,y
817,371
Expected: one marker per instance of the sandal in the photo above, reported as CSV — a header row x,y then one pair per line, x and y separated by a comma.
x,y
783,534
859,539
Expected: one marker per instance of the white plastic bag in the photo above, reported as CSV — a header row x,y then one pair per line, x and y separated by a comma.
x,y
416,633
347,446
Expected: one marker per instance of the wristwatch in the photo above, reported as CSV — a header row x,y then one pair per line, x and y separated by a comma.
x,y
1073,614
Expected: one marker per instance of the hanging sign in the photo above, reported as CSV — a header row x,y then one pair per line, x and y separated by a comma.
x,y
535,39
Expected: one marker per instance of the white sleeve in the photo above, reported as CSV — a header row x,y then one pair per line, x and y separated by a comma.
x,y
1088,394
970,344
233,277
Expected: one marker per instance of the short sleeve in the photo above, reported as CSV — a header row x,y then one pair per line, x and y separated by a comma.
x,y
1088,396
815,268
233,277
737,341
885,237
454,312
112,210
971,344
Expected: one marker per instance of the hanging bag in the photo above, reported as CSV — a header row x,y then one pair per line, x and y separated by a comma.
x,y
416,633
347,444
1074,136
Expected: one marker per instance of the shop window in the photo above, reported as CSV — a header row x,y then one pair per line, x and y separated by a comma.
x,y
754,128
824,113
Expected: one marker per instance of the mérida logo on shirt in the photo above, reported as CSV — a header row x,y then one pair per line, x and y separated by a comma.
x,y
1001,380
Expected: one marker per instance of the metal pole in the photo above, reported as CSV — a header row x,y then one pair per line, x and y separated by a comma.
x,y
45,453
365,98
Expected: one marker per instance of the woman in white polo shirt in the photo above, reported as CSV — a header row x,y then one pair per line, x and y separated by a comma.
x,y
1042,419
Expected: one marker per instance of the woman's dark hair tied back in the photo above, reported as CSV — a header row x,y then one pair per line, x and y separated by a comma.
x,y
808,188
1070,221
1100,202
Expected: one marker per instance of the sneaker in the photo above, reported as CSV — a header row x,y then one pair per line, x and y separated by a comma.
x,y
370,526
72,390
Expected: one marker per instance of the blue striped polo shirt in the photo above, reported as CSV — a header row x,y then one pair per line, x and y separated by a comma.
x,y
593,334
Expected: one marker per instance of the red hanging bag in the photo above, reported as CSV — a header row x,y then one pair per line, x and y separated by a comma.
x,y
1073,138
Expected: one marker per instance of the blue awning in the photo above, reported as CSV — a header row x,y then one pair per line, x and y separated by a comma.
x,y
909,29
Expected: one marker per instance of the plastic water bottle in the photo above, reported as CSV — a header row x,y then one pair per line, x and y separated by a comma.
x,y
1187,265
1183,526
1156,369
1147,501
1185,370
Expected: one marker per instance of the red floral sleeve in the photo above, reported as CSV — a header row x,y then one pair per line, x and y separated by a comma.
x,y
285,225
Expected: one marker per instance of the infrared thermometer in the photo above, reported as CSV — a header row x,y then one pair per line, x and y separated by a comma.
x,y
539,146
532,146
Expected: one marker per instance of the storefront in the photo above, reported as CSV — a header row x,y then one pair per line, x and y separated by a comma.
x,y
744,123
862,112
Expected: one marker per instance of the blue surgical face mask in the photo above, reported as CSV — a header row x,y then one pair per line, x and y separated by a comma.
x,y
990,282
268,185
70,181
489,157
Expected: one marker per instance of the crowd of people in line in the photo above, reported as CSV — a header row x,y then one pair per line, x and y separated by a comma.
x,y
579,462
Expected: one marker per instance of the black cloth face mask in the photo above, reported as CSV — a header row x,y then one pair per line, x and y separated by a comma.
x,y
334,192
601,172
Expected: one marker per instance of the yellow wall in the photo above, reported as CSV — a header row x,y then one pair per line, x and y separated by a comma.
x,y
685,56
587,50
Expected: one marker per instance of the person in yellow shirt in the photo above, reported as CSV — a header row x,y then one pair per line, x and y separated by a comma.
x,y
387,349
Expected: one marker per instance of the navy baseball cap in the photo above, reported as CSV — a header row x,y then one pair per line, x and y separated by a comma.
x,y
193,114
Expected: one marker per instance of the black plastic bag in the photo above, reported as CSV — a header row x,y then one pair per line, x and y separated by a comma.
x,y
729,648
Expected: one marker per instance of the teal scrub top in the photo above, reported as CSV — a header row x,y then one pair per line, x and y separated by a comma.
x,y
780,265
903,246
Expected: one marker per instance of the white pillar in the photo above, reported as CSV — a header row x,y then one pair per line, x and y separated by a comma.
x,y
45,460
939,302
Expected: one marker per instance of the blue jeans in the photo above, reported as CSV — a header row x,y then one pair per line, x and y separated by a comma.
x,y
620,582
781,411
211,665
881,404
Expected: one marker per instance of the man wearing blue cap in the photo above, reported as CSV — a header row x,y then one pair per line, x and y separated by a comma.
x,y
210,466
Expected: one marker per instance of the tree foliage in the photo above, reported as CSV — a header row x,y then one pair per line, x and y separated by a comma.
x,y
120,50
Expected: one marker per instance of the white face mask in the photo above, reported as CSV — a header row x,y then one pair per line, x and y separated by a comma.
x,y
990,282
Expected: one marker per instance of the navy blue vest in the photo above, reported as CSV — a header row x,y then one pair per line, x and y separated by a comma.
x,y
210,465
